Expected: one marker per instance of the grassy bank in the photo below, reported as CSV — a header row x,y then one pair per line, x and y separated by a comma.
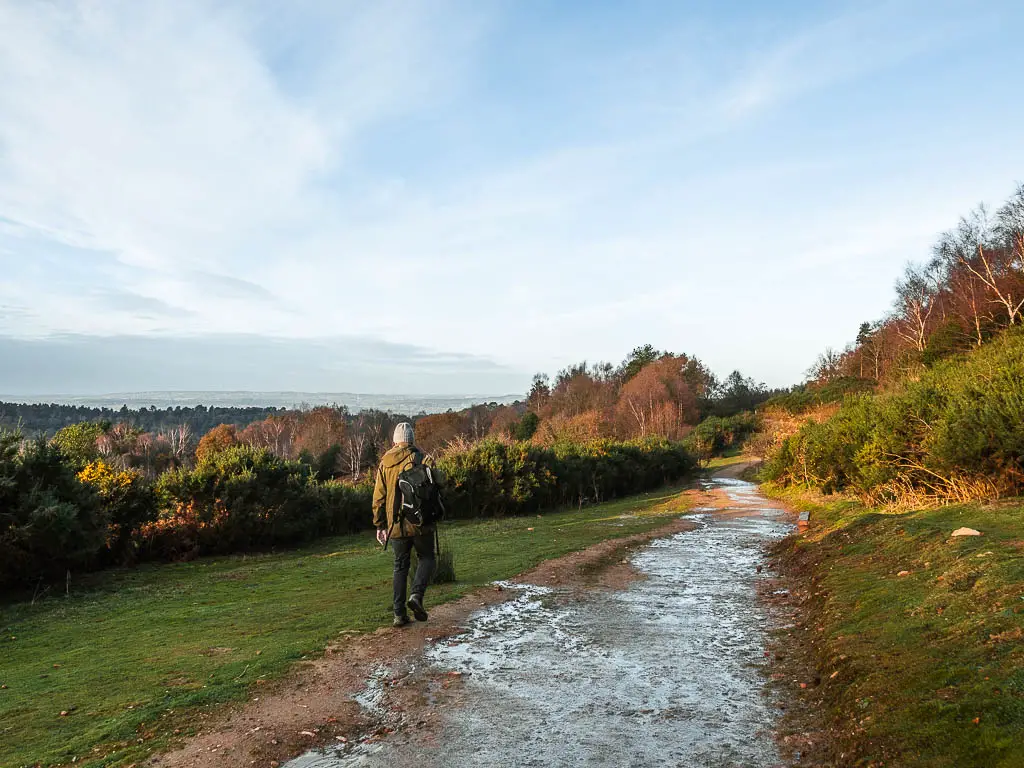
x,y
924,668
132,656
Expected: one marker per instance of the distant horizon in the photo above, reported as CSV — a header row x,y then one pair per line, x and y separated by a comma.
x,y
290,399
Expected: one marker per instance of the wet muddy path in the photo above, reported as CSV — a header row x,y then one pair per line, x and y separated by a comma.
x,y
667,671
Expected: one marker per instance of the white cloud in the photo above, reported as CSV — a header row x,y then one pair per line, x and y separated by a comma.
x,y
247,169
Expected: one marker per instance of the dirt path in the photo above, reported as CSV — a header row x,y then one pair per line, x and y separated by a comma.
x,y
657,653
323,702
666,670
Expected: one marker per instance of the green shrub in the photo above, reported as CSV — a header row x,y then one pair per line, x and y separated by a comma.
x,y
526,427
78,442
495,478
807,396
955,433
716,434
240,498
50,522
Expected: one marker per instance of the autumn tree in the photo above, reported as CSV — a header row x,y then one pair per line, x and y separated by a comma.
x,y
218,439
992,252
437,430
319,430
827,367
636,360
917,296
659,399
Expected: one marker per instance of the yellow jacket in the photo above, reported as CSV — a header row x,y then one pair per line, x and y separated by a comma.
x,y
387,499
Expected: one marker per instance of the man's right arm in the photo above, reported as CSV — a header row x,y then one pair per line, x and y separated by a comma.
x,y
380,516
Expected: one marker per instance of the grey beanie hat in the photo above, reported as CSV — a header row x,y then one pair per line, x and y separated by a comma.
x,y
403,433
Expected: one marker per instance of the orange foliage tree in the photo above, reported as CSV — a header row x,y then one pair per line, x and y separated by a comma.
x,y
216,440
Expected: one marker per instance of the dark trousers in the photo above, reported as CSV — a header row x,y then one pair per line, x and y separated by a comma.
x,y
424,546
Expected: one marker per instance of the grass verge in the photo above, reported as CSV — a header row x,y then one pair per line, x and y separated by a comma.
x,y
133,661
917,637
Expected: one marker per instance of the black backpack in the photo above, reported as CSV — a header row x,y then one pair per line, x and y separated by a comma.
x,y
421,495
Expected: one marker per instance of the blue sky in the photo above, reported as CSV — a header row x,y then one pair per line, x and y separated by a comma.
x,y
450,196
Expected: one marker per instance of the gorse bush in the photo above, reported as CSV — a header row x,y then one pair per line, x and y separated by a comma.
x,y
956,433
719,433
807,396
128,501
495,478
240,498
50,522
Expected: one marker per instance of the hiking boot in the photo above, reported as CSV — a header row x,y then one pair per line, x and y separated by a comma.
x,y
416,606
401,619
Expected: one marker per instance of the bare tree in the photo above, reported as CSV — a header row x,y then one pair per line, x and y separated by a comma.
x,y
180,440
975,245
827,367
917,295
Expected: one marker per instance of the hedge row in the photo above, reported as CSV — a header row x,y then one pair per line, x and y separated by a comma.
x,y
56,516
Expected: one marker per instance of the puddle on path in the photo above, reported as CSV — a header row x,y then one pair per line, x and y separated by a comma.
x,y
665,672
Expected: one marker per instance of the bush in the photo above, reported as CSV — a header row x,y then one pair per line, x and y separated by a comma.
x,y
241,498
78,442
954,434
495,478
807,396
717,434
50,522
128,502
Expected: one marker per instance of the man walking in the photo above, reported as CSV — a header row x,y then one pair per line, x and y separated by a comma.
x,y
403,534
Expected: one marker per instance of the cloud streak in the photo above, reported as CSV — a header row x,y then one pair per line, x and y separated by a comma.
x,y
474,178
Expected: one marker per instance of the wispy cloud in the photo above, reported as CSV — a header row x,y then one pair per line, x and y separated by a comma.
x,y
519,188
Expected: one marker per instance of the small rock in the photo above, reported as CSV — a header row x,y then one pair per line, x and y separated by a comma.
x,y
965,532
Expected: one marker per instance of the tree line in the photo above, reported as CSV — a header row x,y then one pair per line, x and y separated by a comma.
x,y
45,419
928,402
100,493
970,289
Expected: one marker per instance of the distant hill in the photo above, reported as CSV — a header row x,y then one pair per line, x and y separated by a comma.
x,y
410,404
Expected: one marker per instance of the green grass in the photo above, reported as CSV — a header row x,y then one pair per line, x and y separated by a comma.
x,y
930,664
729,457
132,655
